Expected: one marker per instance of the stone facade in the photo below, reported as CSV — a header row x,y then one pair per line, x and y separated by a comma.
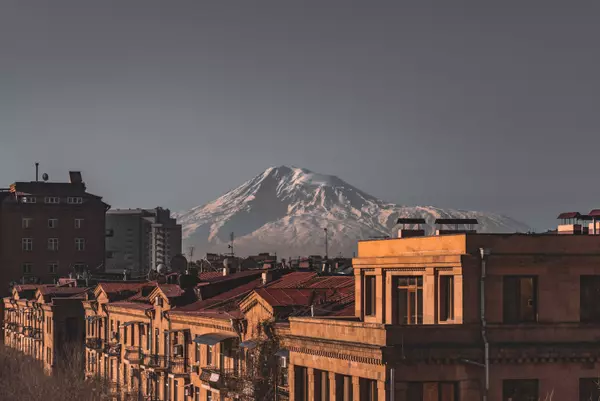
x,y
418,332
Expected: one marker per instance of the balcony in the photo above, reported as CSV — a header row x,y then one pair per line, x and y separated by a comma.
x,y
133,354
283,391
94,343
155,361
113,350
180,365
229,381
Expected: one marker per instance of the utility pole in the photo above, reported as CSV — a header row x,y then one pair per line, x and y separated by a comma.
x,y
191,253
326,244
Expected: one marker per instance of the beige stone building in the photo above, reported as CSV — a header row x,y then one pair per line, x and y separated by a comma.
x,y
46,323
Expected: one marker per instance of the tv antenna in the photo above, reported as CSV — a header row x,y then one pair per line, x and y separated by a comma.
x,y
230,246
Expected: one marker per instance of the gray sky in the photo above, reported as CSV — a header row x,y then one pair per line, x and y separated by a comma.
x,y
456,104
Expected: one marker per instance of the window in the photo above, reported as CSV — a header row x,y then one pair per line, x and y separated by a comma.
x,y
28,199
48,355
52,199
175,390
208,395
78,223
80,244
589,299
446,298
520,390
52,223
519,299
368,390
53,267
442,391
75,200
53,244
209,355
197,394
27,244
125,335
132,335
370,304
589,389
409,300
26,222
197,353
79,267
27,268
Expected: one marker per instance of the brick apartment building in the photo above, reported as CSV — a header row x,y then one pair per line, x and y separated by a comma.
x,y
48,230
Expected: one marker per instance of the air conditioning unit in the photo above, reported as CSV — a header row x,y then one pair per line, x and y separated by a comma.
x,y
196,369
284,362
179,350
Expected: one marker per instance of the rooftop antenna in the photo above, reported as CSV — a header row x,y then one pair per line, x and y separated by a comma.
x,y
230,246
326,244
37,171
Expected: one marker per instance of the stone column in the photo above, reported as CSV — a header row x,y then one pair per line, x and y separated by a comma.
x,y
358,304
458,298
355,388
429,298
310,377
292,381
380,296
332,387
381,391
470,390
400,391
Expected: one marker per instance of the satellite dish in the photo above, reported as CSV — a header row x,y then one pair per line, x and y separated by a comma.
x,y
160,268
45,177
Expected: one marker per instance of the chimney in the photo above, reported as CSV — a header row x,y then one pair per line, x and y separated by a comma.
x,y
75,177
266,277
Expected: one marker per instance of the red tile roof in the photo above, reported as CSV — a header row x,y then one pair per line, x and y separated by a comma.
x,y
171,290
64,291
132,305
221,300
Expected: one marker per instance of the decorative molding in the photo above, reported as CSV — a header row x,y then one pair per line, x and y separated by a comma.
x,y
336,355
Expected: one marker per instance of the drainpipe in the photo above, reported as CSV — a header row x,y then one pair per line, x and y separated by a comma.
x,y
484,255
392,384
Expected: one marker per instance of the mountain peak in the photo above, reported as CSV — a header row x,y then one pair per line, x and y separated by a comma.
x,y
285,208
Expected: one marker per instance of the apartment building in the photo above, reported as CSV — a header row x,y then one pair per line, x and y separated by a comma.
x,y
48,230
135,342
141,239
46,323
459,317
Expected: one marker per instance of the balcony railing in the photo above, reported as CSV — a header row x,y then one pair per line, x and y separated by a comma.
x,y
155,361
133,354
94,343
229,380
180,365
113,350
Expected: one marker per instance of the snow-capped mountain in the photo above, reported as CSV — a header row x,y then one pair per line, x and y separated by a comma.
x,y
285,210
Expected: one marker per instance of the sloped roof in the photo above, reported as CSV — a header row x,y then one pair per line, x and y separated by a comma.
x,y
171,290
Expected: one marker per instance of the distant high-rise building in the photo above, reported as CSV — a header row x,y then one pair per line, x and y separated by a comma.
x,y
141,239
48,230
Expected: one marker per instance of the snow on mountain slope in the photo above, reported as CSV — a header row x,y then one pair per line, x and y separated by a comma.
x,y
285,210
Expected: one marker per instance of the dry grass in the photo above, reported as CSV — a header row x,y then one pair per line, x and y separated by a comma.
x,y
23,379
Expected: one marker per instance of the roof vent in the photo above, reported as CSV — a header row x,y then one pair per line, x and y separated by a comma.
x,y
455,226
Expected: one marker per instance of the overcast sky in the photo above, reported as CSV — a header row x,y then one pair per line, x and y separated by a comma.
x,y
459,104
